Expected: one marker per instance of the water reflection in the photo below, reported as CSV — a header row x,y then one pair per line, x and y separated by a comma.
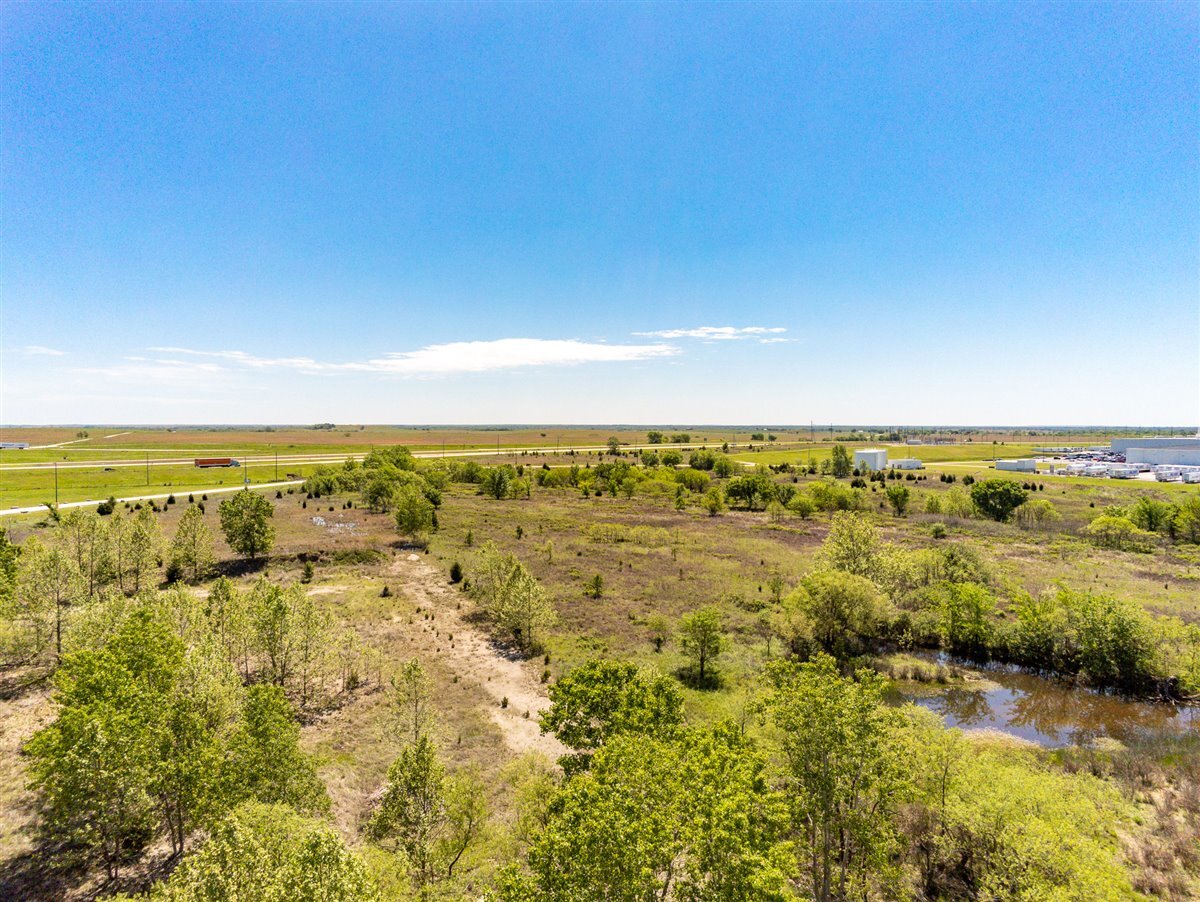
x,y
1048,712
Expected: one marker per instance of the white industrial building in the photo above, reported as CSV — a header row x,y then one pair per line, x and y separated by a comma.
x,y
1022,465
907,463
1180,456
1123,445
870,459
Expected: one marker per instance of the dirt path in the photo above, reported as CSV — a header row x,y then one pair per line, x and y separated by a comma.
x,y
476,659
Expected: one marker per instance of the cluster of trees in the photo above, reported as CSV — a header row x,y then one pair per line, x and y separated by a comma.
x,y
871,801
89,558
157,735
387,481
511,596
1145,523
655,437
865,594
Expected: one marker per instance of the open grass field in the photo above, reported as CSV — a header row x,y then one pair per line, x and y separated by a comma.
x,y
655,562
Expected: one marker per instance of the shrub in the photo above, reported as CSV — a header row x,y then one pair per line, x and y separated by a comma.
x,y
456,573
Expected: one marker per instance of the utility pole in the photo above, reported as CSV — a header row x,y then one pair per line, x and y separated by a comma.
x,y
147,468
56,485
277,466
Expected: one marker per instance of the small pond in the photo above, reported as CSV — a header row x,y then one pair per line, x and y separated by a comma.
x,y
1045,711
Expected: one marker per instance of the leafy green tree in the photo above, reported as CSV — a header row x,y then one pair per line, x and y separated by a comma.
x,y
411,707
269,853
998,498
713,501
246,523
142,547
1119,533
841,463
414,512
522,608
649,459
1187,519
192,547
853,546
10,553
185,742
671,458
86,538
844,612
48,585
602,699
1036,512
95,764
898,497
594,587
691,818
497,482
846,777
752,491
614,445
263,761
654,437
702,639
432,817
724,467
966,618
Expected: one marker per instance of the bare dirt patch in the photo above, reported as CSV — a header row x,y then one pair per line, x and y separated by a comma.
x,y
475,658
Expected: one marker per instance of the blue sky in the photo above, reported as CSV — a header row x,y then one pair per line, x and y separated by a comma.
x,y
735,213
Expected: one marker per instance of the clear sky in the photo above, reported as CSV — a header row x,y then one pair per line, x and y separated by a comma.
x,y
734,213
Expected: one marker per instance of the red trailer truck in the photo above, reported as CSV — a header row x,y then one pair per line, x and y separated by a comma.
x,y
217,462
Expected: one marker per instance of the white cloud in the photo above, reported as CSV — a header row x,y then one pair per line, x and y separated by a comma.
x,y
715,333
145,370
41,351
450,358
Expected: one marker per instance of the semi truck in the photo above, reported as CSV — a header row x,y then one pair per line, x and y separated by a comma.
x,y
205,462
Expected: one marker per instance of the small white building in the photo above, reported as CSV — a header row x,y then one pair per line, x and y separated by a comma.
x,y
907,463
870,459
1020,465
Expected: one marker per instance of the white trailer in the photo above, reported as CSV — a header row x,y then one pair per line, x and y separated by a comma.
x,y
1168,474
1123,471
907,463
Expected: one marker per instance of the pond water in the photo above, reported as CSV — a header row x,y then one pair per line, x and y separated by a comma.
x,y
1045,711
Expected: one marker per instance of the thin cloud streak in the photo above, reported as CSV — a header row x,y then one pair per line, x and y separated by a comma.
x,y
450,358
41,351
715,333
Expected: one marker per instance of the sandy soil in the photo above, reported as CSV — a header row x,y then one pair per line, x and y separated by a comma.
x,y
477,659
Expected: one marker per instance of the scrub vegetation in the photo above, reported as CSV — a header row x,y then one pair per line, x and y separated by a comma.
x,y
652,670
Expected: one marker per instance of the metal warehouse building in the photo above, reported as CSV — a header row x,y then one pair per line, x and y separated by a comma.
x,y
1180,456
1123,445
1023,465
870,459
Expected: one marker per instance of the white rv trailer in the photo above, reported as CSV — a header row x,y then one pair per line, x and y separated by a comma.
x,y
1123,471
1165,473
907,463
